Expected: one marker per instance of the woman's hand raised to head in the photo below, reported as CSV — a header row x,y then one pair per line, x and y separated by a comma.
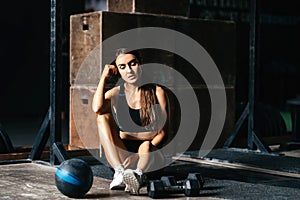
x,y
109,70
101,100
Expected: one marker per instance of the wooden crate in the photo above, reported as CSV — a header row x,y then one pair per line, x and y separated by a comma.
x,y
89,29
83,126
218,38
84,132
168,7
85,35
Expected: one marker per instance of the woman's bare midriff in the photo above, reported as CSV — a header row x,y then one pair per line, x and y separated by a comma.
x,y
137,135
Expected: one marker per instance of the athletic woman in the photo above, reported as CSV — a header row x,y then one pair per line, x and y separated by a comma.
x,y
129,117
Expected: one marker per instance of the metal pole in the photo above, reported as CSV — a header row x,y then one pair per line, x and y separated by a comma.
x,y
253,138
57,151
41,139
55,67
252,62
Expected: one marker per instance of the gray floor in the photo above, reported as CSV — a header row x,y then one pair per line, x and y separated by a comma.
x,y
221,182
273,161
36,181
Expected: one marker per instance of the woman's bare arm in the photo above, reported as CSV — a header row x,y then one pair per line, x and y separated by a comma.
x,y
102,100
160,93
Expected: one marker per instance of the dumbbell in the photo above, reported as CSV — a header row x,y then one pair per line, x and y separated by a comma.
x,y
168,184
171,180
192,176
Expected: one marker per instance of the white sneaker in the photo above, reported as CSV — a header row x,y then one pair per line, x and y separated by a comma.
x,y
127,188
133,181
117,181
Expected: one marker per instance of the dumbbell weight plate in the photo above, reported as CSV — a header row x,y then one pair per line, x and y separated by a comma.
x,y
191,188
196,176
168,181
155,189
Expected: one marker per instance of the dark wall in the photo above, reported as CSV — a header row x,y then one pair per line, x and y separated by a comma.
x,y
24,57
24,54
278,64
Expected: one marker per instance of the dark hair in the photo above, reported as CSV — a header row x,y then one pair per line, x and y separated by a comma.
x,y
119,52
127,51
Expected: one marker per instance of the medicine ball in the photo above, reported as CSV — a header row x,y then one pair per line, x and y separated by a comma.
x,y
74,178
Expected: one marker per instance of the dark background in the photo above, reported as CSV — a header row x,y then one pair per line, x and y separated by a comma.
x,y
25,39
278,61
25,56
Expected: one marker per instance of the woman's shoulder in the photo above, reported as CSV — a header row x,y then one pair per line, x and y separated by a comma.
x,y
161,96
159,90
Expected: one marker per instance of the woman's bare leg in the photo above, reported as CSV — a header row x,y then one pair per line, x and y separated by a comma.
x,y
145,158
131,161
148,160
112,144
133,178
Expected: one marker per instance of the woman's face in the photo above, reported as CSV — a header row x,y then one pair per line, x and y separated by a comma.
x,y
128,67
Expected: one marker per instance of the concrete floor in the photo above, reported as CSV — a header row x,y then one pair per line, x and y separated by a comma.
x,y
222,181
37,181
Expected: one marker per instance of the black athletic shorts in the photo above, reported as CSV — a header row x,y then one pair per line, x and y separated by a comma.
x,y
132,145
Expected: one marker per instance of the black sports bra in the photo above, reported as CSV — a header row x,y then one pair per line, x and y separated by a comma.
x,y
127,118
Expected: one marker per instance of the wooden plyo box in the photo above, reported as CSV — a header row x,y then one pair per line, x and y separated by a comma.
x,y
88,30
167,7
83,126
84,131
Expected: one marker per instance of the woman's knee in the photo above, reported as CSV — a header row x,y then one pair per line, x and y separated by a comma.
x,y
106,125
103,118
107,120
144,147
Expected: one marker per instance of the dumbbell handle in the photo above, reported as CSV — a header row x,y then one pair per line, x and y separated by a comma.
x,y
181,182
174,188
158,189
189,188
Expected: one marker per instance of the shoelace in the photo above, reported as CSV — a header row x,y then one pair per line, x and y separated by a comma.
x,y
118,172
